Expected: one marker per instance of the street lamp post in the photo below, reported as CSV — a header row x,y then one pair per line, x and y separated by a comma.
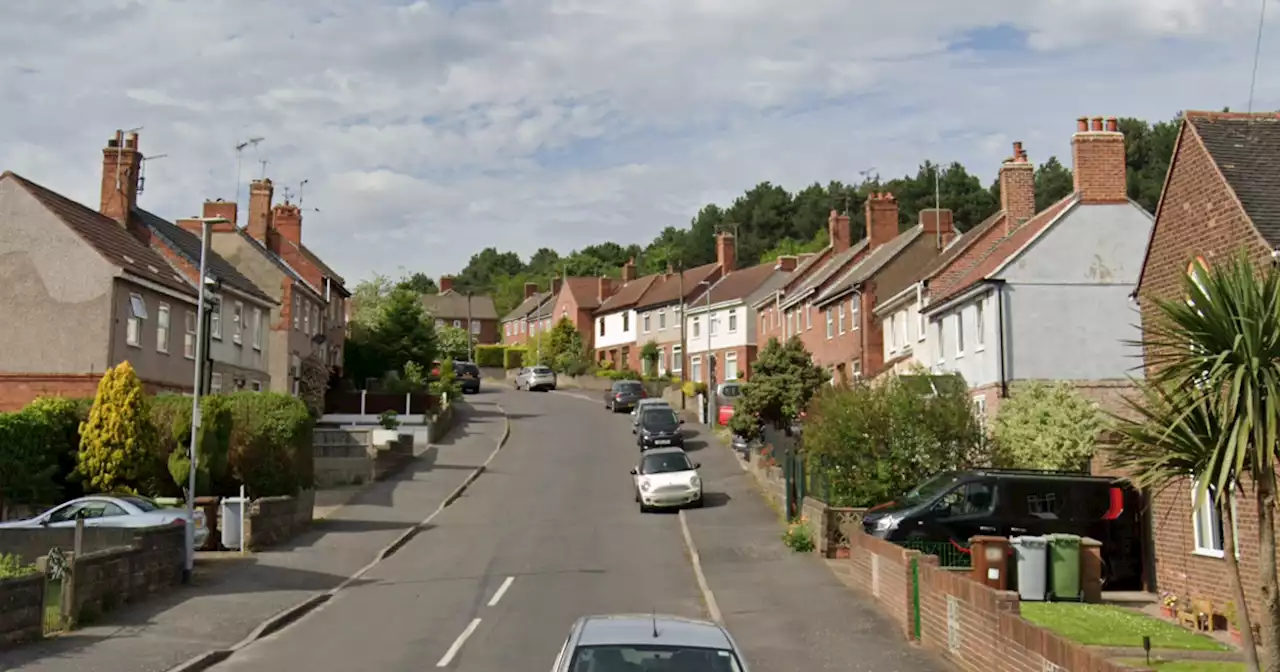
x,y
470,331
711,371
206,233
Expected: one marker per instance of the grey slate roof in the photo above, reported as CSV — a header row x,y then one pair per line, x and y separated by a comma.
x,y
526,307
1247,151
825,273
187,245
871,263
453,305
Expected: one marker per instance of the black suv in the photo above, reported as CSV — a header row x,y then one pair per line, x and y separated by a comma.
x,y
659,427
468,376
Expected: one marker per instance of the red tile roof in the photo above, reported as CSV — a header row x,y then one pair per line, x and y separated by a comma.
x,y
585,292
738,284
666,288
627,295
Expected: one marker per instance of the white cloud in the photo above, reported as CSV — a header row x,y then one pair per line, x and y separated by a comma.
x,y
429,130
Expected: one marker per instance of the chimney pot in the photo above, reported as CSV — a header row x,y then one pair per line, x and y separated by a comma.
x,y
1017,186
1097,124
882,220
1082,124
1113,124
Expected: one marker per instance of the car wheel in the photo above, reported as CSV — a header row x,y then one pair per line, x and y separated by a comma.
x,y
697,503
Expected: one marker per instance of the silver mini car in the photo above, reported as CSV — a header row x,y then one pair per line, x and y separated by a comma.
x,y
648,642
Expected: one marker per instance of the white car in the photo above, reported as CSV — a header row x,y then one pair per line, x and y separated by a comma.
x,y
666,478
113,511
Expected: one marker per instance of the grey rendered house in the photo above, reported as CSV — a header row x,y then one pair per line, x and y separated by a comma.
x,y
83,294
236,317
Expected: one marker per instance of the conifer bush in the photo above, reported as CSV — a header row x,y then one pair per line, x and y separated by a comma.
x,y
117,441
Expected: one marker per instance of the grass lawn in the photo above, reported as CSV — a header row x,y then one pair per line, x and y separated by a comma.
x,y
1108,625
53,606
1185,665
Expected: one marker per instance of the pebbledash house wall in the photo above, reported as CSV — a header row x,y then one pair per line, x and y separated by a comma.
x,y
1199,216
68,308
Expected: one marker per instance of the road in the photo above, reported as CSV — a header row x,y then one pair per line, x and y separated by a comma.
x,y
549,533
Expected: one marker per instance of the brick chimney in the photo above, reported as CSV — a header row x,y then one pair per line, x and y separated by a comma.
x,y
604,288
1017,188
939,225
260,193
530,289
446,283
882,219
1098,161
121,165
286,225
220,208
556,282
841,231
786,263
629,271
726,255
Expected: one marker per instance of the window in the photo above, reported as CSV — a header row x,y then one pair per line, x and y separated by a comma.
x,y
922,324
297,311
713,323
237,321
893,333
256,326
980,410
306,319
475,327
942,341
695,366
677,359
626,321
1207,521
662,318
137,313
959,335
457,324
808,315
256,386
601,321
791,323
647,325
731,365
697,328
979,326
162,328
856,367
841,309
524,324
831,324
215,383
904,334
215,320
733,321
295,369
662,361
855,312
507,328
189,338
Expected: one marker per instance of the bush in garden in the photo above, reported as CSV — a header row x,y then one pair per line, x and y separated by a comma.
x,y
270,443
117,441
448,381
61,417
171,414
28,466
490,355
513,358
1047,426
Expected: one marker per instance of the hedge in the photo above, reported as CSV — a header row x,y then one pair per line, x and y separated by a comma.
x,y
270,448
491,355
171,414
513,358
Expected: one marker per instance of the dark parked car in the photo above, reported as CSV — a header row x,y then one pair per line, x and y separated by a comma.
x,y
623,395
955,506
468,376
659,428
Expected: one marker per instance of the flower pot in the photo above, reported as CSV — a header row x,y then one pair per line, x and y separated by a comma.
x,y
1235,635
1166,610
385,437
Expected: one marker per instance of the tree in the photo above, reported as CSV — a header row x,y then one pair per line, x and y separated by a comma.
x,y
649,355
783,379
1210,406
117,440
369,299
313,383
454,342
568,354
1047,426
419,282
406,333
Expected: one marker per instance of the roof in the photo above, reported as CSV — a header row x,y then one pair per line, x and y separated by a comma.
x,y
108,237
187,245
453,305
325,268
627,295
585,292
638,629
871,263
279,262
797,276
667,287
527,306
1001,251
825,272
1246,149
961,244
547,307
738,285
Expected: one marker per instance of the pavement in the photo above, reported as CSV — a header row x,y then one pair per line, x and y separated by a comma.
x,y
231,595
550,533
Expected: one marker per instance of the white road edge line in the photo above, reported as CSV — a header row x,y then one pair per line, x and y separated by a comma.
x,y
712,608
502,590
457,643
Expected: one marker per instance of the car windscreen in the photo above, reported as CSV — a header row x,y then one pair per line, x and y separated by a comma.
x,y
931,488
730,390
654,657
660,419
626,386
143,504
665,463
541,370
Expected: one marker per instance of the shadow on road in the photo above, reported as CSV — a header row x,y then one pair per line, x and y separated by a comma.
x,y
712,500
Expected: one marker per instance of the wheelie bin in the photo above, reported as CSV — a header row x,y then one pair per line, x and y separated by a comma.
x,y
1031,557
1064,567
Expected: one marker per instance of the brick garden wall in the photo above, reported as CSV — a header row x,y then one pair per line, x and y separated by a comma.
x,y
272,520
107,579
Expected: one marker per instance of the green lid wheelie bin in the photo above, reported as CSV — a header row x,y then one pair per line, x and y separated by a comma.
x,y
1064,567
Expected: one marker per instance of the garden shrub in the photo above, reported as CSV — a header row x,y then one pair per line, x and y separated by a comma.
x,y
491,355
61,417
270,448
117,441
513,358
171,414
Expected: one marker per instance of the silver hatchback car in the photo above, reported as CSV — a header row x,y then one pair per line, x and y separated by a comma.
x,y
648,642
536,378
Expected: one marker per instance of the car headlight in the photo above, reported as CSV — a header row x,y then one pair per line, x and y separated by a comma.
x,y
644,484
888,523
695,482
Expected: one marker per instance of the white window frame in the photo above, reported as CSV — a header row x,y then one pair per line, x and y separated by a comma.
x,y
215,321
893,332
713,324
475,327
215,383
163,322
831,324
297,309
601,323
980,410
237,322
840,310
295,373
808,315
457,324
439,323
697,328
137,317
255,385
855,313
306,319
733,321
922,324
959,333
731,364
677,359
189,337
903,326
1207,508
257,328
979,318
695,368
942,340
662,319
645,323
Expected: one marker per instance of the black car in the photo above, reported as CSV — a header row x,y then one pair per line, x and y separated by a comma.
x,y
659,428
623,395
955,506
468,376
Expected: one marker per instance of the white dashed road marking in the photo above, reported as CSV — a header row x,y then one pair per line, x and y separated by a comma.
x,y
457,643
502,590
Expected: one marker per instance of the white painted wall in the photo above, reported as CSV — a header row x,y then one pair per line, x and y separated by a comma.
x,y
963,340
614,334
743,334
904,335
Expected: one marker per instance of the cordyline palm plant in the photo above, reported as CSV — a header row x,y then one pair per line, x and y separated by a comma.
x,y
1213,406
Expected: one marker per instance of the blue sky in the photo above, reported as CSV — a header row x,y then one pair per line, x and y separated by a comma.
x,y
429,130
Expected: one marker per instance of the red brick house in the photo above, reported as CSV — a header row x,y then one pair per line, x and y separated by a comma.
x,y
720,322
532,318
617,320
576,299
472,312
1218,198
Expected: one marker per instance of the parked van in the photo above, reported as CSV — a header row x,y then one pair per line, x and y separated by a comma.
x,y
955,506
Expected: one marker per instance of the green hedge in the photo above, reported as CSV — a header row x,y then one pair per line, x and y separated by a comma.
x,y
270,447
620,374
171,414
513,358
491,355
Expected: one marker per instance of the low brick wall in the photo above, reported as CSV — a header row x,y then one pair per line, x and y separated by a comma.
x,y
29,544
389,461
442,423
971,625
107,579
21,610
347,456
272,520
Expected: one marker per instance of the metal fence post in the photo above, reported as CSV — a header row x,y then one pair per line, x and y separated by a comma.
x,y
915,596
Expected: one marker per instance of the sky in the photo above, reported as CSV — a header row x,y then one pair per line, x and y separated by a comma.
x,y
429,130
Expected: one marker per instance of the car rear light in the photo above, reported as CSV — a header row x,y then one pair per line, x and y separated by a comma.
x,y
178,522
618,397
644,395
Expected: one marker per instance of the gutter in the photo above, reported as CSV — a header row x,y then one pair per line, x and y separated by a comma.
x,y
1004,379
